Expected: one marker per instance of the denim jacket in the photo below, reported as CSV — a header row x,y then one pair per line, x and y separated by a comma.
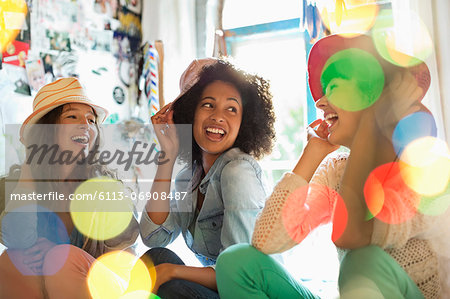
x,y
234,195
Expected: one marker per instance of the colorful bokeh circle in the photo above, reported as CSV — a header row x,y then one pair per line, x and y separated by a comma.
x,y
13,13
425,166
101,209
310,206
388,197
350,19
30,241
413,127
352,79
437,204
120,274
402,39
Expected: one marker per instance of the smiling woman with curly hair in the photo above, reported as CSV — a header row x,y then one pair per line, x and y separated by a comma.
x,y
232,120
256,133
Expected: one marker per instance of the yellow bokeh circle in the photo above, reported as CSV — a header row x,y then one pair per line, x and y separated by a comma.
x,y
349,18
12,14
100,208
120,274
425,166
402,38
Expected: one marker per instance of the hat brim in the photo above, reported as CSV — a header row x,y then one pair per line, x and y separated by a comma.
x,y
326,47
192,74
101,113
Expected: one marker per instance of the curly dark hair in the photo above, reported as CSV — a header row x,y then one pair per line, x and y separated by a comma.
x,y
256,134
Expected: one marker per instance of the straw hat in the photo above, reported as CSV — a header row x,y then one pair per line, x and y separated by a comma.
x,y
330,45
55,94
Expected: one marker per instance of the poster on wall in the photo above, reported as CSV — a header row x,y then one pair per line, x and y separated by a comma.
x,y
65,65
17,77
130,25
16,53
121,46
47,62
59,41
35,75
100,40
109,8
64,16
132,5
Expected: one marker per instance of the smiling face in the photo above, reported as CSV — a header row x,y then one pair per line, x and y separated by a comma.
x,y
79,130
342,124
217,119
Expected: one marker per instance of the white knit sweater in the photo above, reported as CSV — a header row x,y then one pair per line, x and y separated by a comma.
x,y
411,243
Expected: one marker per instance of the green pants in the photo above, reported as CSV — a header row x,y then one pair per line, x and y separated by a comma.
x,y
369,272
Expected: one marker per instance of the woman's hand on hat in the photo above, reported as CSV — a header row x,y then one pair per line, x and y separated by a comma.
x,y
400,98
166,131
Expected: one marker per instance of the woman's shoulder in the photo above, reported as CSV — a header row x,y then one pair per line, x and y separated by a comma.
x,y
237,154
235,158
333,164
336,159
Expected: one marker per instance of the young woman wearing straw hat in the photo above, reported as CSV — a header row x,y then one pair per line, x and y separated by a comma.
x,y
47,256
390,255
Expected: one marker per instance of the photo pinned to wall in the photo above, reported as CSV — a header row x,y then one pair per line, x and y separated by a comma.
x,y
18,79
47,62
80,40
111,24
67,16
132,5
119,95
58,41
100,40
65,65
35,75
109,8
16,53
121,46
58,64
124,49
130,24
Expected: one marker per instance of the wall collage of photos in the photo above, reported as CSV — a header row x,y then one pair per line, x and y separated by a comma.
x,y
98,41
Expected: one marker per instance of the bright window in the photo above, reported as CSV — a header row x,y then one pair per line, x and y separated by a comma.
x,y
276,51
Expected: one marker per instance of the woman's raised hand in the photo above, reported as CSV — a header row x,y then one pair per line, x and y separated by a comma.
x,y
317,137
400,98
165,131
316,149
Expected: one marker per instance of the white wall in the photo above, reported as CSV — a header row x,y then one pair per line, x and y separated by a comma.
x,y
173,22
441,21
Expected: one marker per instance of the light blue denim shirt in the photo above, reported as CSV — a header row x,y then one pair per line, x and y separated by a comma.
x,y
21,229
234,195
